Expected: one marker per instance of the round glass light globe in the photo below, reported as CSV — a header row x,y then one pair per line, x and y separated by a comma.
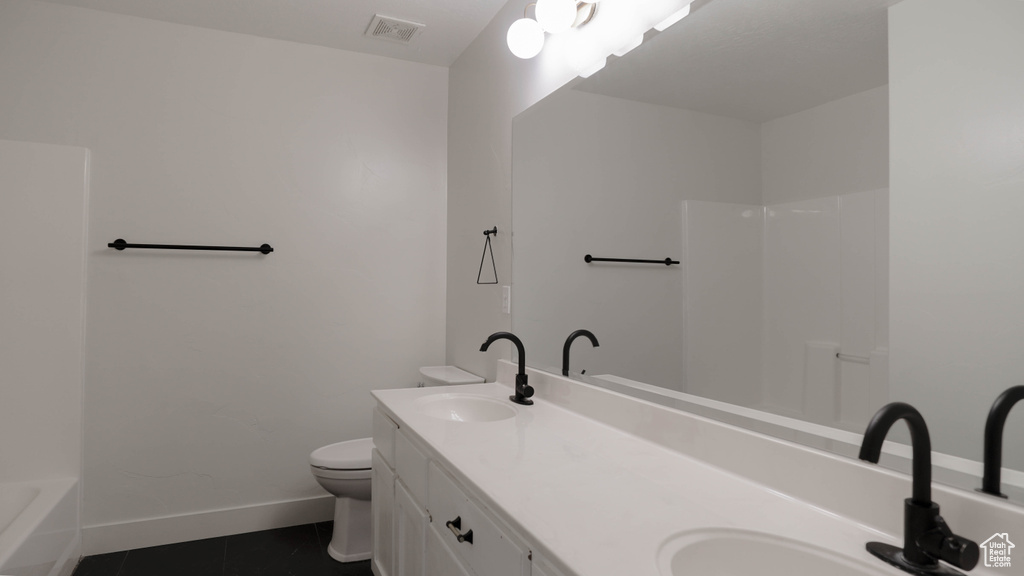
x,y
556,15
525,38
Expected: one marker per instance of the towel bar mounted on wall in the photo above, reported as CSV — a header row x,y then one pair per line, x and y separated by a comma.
x,y
120,244
852,358
667,261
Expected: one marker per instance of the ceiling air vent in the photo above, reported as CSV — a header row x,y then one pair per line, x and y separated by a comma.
x,y
393,29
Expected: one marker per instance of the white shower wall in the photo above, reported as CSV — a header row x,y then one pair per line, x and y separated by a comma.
x,y
43,197
825,179
774,292
821,294
801,294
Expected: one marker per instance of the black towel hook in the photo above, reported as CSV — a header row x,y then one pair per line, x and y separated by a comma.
x,y
487,249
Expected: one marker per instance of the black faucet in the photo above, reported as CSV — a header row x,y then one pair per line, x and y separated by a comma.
x,y
926,536
523,390
994,439
568,343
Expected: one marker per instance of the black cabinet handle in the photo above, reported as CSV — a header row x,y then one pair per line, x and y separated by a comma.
x,y
456,527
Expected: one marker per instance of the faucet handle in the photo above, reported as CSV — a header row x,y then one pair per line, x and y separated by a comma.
x,y
523,391
941,543
522,387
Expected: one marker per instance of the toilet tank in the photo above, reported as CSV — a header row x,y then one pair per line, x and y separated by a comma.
x,y
446,376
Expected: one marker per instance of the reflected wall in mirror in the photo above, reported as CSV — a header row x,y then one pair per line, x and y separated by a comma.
x,y
751,142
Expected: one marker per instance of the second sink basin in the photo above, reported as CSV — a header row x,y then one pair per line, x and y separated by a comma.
x,y
464,408
725,552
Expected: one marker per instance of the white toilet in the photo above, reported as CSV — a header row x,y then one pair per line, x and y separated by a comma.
x,y
343,469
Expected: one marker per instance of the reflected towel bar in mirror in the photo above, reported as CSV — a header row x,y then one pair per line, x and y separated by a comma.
x,y
667,261
852,358
120,244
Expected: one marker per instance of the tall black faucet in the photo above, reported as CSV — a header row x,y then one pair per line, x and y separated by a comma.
x,y
568,343
994,439
926,536
523,390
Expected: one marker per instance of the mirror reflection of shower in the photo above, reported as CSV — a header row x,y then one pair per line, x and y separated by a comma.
x,y
779,303
767,175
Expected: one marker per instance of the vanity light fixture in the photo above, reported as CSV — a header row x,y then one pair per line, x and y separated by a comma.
x,y
526,36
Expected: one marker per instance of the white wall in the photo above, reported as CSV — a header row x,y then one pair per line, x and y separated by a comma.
x,y
957,282
210,377
488,87
840,147
611,181
43,197
825,179
724,300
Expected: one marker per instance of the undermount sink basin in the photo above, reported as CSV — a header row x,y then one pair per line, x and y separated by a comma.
x,y
727,552
465,408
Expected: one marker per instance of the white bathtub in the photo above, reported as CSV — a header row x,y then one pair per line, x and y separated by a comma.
x,y
38,526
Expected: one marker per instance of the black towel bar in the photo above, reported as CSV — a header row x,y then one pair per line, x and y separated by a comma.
x,y
120,244
667,261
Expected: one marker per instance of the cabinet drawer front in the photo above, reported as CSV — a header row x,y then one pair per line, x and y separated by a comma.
x,y
492,552
384,430
411,467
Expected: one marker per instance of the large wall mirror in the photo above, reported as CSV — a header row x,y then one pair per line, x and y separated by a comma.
x,y
752,143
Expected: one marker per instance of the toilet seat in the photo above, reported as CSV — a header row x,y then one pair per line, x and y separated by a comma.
x,y
352,455
341,474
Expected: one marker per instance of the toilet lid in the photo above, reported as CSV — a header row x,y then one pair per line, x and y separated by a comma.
x,y
350,455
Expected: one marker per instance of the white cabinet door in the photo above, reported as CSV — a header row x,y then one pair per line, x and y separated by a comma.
x,y
382,507
440,560
411,525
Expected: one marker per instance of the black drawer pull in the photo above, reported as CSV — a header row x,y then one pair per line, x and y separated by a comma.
x,y
456,526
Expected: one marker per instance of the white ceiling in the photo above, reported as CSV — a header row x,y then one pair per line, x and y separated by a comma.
x,y
756,59
450,24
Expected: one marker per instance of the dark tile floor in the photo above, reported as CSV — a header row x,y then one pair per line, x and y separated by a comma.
x,y
297,550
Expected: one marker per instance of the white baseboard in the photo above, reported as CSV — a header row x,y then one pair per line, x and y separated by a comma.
x,y
103,538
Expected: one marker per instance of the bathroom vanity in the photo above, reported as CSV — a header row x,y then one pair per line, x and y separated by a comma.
x,y
459,536
589,482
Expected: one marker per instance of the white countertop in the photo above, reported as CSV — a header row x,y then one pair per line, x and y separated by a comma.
x,y
600,501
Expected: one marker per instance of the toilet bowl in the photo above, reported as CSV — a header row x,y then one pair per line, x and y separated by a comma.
x,y
343,469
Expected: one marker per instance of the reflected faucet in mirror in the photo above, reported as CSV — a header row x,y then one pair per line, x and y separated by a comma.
x,y
994,439
523,389
927,538
568,344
